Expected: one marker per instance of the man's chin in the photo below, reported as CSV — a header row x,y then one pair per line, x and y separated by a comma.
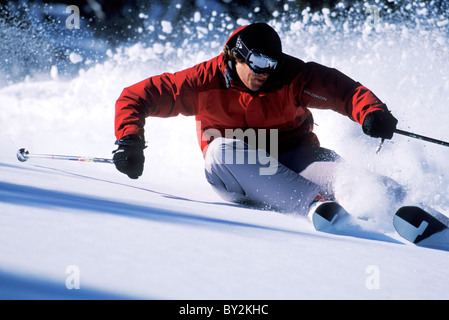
x,y
256,85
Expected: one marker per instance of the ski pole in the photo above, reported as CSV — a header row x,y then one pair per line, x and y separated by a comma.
x,y
420,137
416,136
23,155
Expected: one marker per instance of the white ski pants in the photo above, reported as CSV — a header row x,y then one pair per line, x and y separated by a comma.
x,y
288,183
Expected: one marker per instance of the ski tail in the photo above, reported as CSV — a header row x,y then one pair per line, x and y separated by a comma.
x,y
325,214
416,224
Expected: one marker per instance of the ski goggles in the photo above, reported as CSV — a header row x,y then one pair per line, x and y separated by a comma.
x,y
257,61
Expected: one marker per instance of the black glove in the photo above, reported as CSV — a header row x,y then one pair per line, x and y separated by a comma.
x,y
379,124
129,158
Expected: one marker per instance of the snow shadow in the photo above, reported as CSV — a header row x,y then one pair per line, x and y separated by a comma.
x,y
44,198
23,287
37,197
47,169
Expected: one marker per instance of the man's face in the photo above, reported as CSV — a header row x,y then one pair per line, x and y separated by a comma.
x,y
250,79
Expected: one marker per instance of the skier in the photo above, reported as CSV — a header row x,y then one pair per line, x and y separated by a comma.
x,y
251,105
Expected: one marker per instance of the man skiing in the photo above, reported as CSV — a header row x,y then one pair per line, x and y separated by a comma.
x,y
251,105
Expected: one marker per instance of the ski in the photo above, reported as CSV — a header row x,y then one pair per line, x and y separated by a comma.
x,y
416,224
423,227
326,215
330,217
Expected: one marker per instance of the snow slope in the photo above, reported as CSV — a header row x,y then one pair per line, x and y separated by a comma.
x,y
167,235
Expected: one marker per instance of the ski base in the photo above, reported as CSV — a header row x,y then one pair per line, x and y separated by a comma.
x,y
416,224
325,216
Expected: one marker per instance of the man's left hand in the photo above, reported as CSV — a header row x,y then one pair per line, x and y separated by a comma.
x,y
379,124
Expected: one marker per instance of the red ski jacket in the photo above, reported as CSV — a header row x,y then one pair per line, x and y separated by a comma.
x,y
213,93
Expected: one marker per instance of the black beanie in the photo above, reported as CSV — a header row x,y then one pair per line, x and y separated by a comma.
x,y
262,37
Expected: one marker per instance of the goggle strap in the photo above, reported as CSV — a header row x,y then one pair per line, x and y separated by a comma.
x,y
242,48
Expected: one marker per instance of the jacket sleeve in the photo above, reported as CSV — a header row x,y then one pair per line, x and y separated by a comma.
x,y
327,88
166,95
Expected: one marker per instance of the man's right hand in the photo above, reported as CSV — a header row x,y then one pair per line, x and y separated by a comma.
x,y
129,157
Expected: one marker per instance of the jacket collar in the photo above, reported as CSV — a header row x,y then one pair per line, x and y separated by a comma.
x,y
232,78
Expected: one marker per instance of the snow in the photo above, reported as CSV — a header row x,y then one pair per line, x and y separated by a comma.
x,y
167,235
132,240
